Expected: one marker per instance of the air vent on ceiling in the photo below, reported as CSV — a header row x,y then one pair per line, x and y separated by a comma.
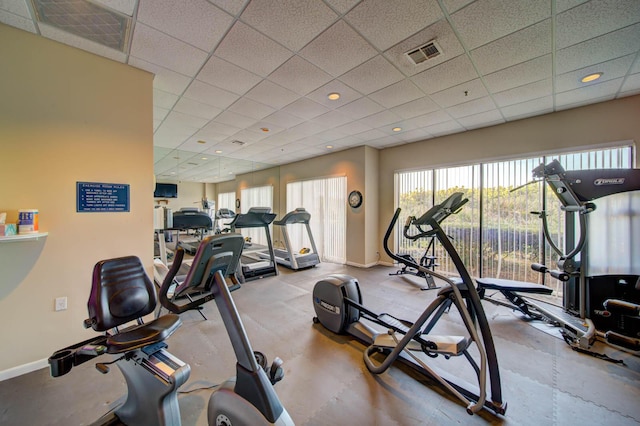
x,y
87,20
237,142
423,53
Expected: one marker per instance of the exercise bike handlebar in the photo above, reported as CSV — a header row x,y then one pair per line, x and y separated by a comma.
x,y
168,281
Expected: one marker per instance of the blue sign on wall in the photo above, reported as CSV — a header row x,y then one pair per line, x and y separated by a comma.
x,y
102,197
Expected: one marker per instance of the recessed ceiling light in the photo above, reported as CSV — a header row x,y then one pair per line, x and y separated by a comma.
x,y
264,129
204,158
218,151
202,142
329,146
397,129
591,77
334,96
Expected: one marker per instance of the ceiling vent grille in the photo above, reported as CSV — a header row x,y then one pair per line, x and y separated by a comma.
x,y
423,53
237,142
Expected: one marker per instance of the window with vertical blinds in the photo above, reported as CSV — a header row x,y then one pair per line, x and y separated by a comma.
x,y
261,196
495,232
325,200
227,200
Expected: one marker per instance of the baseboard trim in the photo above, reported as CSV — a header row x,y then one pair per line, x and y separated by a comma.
x,y
23,369
359,265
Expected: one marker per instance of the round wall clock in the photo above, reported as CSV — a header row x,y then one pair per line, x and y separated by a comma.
x,y
355,199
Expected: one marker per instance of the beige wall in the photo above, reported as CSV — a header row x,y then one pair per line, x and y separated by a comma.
x,y
598,124
66,116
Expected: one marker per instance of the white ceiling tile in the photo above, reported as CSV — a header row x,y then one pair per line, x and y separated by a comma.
x,y
198,109
520,46
338,49
196,22
329,135
300,75
383,118
271,94
332,119
489,118
353,128
234,7
164,99
453,5
519,75
305,108
225,75
235,120
431,118
156,123
444,36
249,108
414,135
524,93
371,135
465,92
158,48
159,113
635,68
444,128
164,79
624,94
373,75
214,129
487,20
282,119
250,137
448,74
274,129
210,95
307,128
601,91
472,107
342,6
124,6
562,5
404,125
16,7
251,50
397,94
594,19
415,108
170,136
579,103
188,123
612,69
360,108
292,23
528,109
378,20
347,94
599,49
73,40
631,83
17,21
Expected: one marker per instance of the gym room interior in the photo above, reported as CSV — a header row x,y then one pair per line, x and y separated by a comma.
x,y
505,85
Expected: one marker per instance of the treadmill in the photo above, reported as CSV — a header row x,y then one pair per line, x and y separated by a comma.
x,y
191,219
263,264
289,258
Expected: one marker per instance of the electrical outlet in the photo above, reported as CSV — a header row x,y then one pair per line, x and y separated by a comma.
x,y
61,303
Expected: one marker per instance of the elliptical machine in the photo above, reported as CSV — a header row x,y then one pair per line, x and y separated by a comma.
x,y
337,301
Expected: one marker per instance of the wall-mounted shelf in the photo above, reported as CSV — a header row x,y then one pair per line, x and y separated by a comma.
x,y
23,237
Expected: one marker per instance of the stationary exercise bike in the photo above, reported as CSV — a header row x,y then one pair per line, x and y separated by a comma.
x,y
249,398
337,301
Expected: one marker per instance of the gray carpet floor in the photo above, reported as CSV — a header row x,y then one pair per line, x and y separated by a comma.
x,y
326,382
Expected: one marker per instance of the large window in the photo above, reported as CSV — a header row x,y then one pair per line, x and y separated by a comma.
x,y
261,196
325,200
496,233
227,200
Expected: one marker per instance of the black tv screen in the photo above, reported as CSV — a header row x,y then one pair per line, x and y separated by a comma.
x,y
166,190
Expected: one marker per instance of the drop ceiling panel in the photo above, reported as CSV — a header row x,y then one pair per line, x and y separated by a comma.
x,y
383,118
250,108
444,128
450,73
472,107
397,94
210,95
498,18
378,20
593,19
441,32
519,75
524,93
338,49
213,128
492,117
373,75
300,75
160,113
360,108
347,94
342,6
196,22
282,119
600,49
124,6
164,79
158,48
513,49
236,120
195,108
353,128
461,93
432,118
305,108
631,84
454,5
271,94
415,108
225,75
528,109
234,7
291,23
248,49
186,120
332,119
612,69
164,99
601,92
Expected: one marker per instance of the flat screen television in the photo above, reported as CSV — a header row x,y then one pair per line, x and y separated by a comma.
x,y
166,190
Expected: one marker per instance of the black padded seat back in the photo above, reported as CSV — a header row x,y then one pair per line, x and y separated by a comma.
x,y
121,292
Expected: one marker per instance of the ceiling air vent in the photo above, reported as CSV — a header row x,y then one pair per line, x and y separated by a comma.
x,y
237,142
424,52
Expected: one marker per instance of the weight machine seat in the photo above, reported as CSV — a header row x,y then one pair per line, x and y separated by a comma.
x,y
512,285
122,292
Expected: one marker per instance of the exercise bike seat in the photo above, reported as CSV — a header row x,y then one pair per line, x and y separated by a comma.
x,y
121,292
